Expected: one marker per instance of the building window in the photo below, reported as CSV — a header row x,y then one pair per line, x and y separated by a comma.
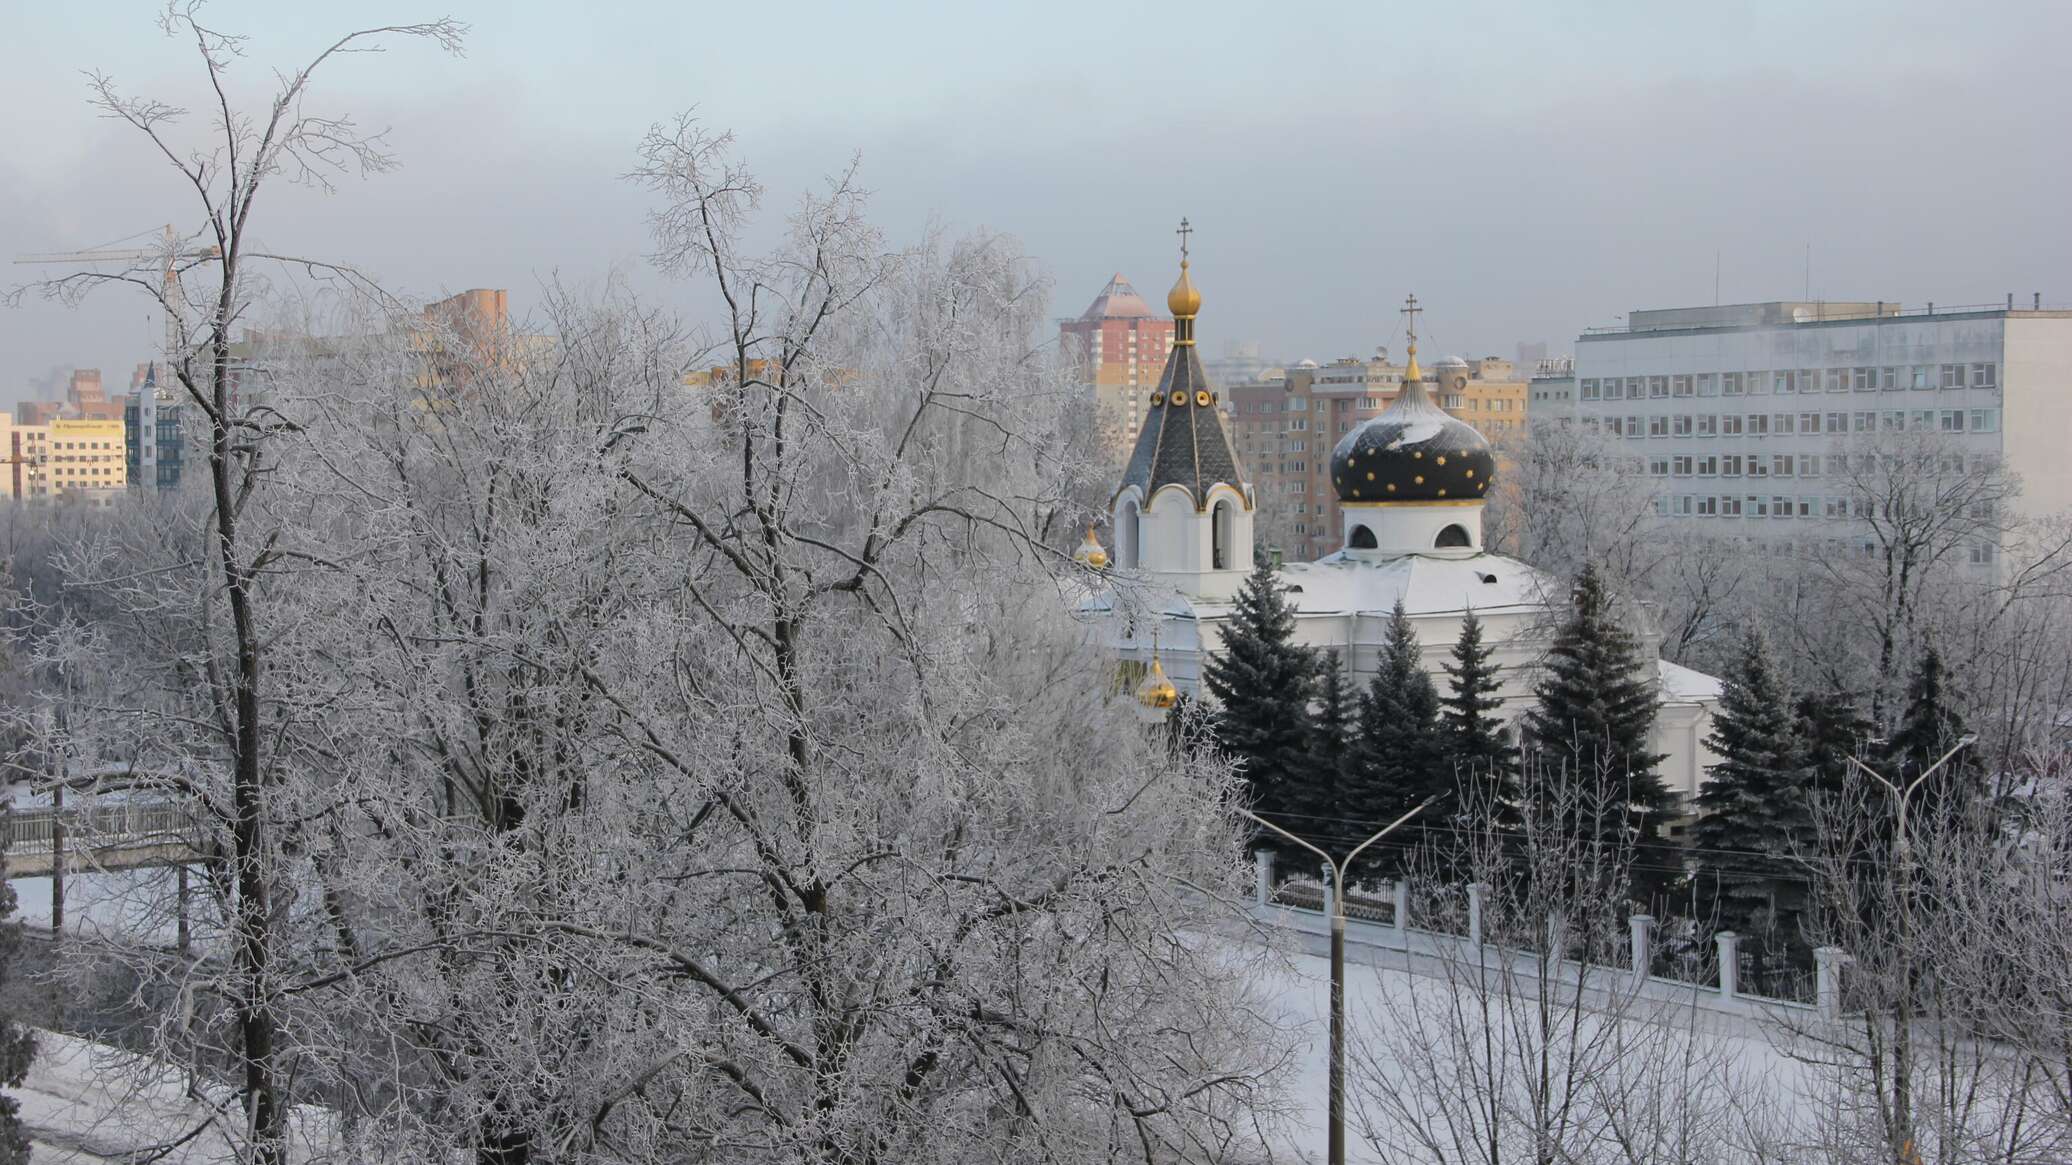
x,y
1758,384
1708,506
1708,384
1953,376
1892,421
1786,382
1681,466
1985,375
1835,379
1683,505
1453,536
1759,424
1730,425
1222,531
1680,425
1708,466
1864,379
1888,379
1680,385
1784,424
1921,420
1636,388
1730,465
1730,507
1633,428
1658,426
1781,465
1952,421
1708,425
1732,380
1362,538
1863,422
1985,420
1658,467
1658,387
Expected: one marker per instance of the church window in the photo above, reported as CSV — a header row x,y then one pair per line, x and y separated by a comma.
x,y
1455,535
1222,532
1362,539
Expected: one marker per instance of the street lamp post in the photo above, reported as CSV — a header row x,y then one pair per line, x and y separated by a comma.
x,y
1338,868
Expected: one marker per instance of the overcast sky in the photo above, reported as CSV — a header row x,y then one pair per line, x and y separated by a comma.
x,y
1528,169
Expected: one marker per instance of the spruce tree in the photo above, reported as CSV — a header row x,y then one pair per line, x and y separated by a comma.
x,y
1400,758
1752,809
1472,731
1596,713
1830,729
1928,728
1332,740
1261,681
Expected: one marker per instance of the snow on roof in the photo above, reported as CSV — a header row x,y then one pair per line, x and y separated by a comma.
x,y
1684,686
1435,583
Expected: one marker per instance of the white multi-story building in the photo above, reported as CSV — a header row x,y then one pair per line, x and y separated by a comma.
x,y
1744,412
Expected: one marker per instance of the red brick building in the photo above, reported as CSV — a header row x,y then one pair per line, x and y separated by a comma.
x,y
1121,342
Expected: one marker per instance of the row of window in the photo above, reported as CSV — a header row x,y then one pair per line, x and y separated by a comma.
x,y
1862,378
1793,424
1784,465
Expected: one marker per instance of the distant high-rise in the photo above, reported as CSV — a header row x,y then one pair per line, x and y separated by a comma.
x,y
154,443
1121,343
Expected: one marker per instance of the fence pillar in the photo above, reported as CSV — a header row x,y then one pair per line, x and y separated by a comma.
x,y
1827,978
184,938
1475,892
1331,889
1642,926
1402,906
57,861
1262,876
1729,963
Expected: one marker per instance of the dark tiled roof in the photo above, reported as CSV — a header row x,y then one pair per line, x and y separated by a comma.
x,y
1185,443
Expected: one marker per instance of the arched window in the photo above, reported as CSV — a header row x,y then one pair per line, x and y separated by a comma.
x,y
1222,532
1452,536
1362,539
1128,534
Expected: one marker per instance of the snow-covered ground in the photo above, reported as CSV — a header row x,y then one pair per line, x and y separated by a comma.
x,y
1378,1002
137,905
86,1102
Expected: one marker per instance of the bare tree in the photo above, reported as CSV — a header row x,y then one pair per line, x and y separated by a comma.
x,y
1527,1040
1935,1057
205,293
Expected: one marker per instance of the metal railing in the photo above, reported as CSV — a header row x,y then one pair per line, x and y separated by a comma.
x,y
36,829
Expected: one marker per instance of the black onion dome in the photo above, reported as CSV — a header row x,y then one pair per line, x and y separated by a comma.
x,y
1414,451
1183,441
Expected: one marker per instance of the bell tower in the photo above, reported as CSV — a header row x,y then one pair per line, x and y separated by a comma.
x,y
1183,514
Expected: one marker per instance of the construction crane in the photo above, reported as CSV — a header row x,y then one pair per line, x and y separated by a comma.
x,y
170,256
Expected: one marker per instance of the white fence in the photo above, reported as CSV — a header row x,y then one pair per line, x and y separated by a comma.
x,y
1378,933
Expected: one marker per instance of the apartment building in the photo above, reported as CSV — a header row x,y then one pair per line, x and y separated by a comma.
x,y
1121,343
1286,425
1746,412
72,459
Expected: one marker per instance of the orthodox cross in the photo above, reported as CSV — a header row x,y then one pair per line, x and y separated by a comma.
x,y
1183,232
1411,309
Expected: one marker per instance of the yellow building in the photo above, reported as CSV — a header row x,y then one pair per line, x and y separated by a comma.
x,y
66,459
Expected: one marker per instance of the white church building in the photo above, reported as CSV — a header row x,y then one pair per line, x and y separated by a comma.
x,y
1412,481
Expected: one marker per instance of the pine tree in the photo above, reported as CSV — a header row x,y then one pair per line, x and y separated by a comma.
x,y
1830,729
1596,712
1400,758
1473,732
1333,740
1261,681
1752,808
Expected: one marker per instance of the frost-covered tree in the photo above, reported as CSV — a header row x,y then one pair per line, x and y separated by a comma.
x,y
1263,682
743,785
221,735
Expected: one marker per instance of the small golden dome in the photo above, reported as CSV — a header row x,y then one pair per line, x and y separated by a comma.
x,y
1183,299
1157,691
1090,553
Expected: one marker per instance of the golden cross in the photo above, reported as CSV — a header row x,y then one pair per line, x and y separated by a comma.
x,y
1411,309
1183,232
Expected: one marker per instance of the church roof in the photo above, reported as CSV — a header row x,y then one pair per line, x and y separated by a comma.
x,y
1183,441
1118,301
